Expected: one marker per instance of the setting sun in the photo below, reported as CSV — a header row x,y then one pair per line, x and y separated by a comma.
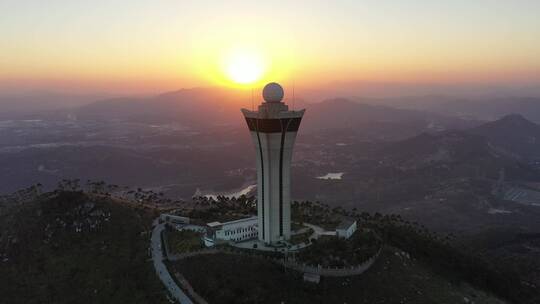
x,y
244,66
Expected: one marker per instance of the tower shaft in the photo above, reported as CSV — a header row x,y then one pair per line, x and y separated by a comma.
x,y
273,130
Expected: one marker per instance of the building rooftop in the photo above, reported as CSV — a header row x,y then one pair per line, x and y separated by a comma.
x,y
213,224
345,223
247,219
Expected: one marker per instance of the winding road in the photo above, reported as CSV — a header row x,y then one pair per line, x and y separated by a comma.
x,y
161,269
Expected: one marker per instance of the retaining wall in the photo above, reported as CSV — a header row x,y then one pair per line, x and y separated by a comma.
x,y
322,271
332,272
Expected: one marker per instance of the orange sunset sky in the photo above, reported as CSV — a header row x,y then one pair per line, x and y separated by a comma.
x,y
150,46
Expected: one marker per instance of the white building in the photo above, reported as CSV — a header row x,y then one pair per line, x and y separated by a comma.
x,y
273,130
238,230
346,228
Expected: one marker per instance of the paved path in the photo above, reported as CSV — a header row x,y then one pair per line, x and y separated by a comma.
x,y
318,231
161,269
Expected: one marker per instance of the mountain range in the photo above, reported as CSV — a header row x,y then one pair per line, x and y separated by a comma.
x,y
450,173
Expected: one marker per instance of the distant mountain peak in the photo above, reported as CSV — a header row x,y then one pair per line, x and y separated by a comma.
x,y
514,122
513,133
515,118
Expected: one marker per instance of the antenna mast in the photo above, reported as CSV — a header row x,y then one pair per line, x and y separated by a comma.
x,y
293,98
252,102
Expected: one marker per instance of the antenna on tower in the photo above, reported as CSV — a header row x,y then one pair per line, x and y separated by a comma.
x,y
252,102
293,98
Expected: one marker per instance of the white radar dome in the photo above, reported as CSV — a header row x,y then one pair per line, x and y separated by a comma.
x,y
273,92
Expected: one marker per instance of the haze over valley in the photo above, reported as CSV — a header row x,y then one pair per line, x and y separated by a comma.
x,y
187,141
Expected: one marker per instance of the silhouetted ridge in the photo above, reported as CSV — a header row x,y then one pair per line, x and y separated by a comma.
x,y
516,120
513,133
345,113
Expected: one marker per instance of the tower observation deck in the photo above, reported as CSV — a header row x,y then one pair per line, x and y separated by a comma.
x,y
273,130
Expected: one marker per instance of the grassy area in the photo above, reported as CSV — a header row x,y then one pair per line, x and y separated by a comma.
x,y
301,238
503,277
393,279
183,241
223,209
73,248
296,226
336,252
315,213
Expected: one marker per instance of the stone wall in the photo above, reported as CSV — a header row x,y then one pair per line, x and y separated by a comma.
x,y
322,271
332,272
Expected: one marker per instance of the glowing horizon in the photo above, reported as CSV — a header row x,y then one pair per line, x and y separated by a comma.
x,y
160,45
